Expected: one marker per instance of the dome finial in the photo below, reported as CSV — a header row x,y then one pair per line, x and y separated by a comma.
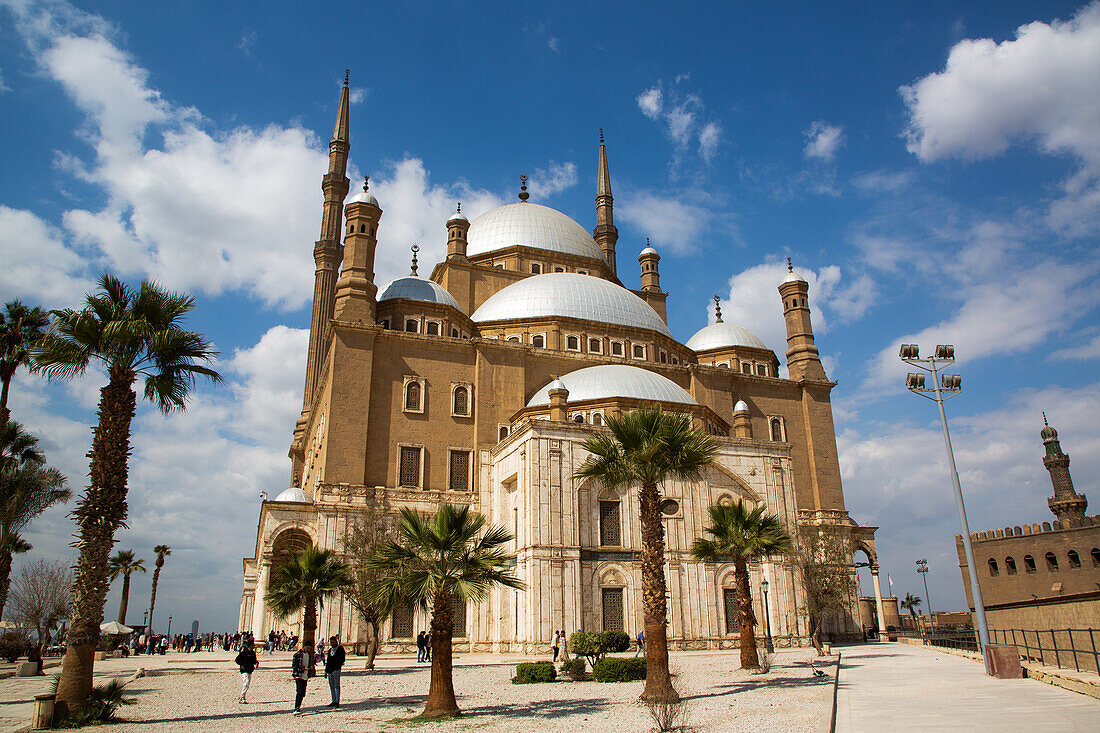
x,y
523,195
459,209
601,136
366,182
1045,418
717,309
347,73
790,267
415,249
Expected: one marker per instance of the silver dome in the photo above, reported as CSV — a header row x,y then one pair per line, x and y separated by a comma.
x,y
294,494
723,335
741,406
415,288
647,251
363,197
530,225
572,296
793,277
616,380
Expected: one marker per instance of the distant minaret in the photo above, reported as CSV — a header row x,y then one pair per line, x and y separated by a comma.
x,y
355,290
651,275
457,227
605,233
328,253
1067,504
803,361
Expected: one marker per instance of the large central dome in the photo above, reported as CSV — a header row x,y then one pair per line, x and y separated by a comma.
x,y
615,380
570,295
529,225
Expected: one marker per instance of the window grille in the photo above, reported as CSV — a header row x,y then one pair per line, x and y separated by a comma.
x,y
573,343
402,626
729,602
410,467
612,609
433,328
761,370
746,367
460,470
458,618
595,346
538,341
610,529
639,351
616,348
412,326
462,401
412,396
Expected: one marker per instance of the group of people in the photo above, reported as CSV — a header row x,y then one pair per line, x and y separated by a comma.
x,y
303,665
424,646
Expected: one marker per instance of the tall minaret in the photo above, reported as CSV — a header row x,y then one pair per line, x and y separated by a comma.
x,y
651,275
803,361
355,290
605,233
1067,504
328,253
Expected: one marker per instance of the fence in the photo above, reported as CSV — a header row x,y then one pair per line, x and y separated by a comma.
x,y
1066,648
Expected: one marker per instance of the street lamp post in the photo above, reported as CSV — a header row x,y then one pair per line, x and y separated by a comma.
x,y
952,385
169,632
767,619
922,568
145,619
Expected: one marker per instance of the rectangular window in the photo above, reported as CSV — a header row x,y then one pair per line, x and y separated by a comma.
x,y
410,467
433,328
460,470
538,341
458,619
573,343
664,357
612,609
412,326
746,367
616,348
729,603
610,528
639,351
761,370
536,268
595,346
385,323
402,626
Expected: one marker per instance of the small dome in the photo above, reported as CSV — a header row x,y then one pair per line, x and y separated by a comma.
x,y
647,251
294,494
741,406
615,380
363,197
458,215
570,295
415,288
556,384
723,335
793,277
1048,433
530,225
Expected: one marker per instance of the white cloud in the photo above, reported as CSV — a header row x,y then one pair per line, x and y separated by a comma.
x,y
552,43
269,387
247,43
667,220
1038,88
357,95
883,181
554,179
682,115
37,266
709,137
822,141
1086,351
650,102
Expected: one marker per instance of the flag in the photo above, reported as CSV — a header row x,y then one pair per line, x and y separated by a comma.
x,y
891,582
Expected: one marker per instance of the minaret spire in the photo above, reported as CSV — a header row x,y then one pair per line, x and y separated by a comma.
x,y
1066,504
605,233
717,309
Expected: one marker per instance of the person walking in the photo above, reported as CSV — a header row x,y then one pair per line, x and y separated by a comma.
x,y
246,660
564,646
428,646
300,664
555,643
420,647
334,662
641,643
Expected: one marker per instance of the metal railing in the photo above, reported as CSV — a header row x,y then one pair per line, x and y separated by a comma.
x,y
1066,648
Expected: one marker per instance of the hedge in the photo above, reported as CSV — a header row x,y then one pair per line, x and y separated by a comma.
x,y
618,669
529,672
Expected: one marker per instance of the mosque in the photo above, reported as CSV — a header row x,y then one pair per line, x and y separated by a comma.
x,y
477,385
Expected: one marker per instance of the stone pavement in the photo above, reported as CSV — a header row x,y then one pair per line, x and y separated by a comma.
x,y
895,687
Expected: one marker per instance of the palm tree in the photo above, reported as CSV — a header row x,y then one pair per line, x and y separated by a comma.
x,y
911,604
647,447
133,334
27,488
20,328
437,561
305,582
124,564
742,534
162,551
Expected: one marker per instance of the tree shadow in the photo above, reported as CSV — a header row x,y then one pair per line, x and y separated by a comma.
x,y
541,708
773,682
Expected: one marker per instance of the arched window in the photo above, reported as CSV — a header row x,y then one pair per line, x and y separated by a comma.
x,y
1052,562
595,346
412,396
1010,565
538,341
573,343
597,418
993,571
777,429
502,433
454,333
1029,564
1074,559
433,328
461,401
412,325
1096,557
578,418
513,339
610,529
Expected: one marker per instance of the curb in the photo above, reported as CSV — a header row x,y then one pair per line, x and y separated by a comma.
x,y
836,687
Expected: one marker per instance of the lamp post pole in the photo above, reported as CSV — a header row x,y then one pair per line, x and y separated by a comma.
x,y
169,632
952,385
767,619
922,568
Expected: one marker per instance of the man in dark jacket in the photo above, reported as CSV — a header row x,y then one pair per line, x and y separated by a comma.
x,y
246,660
299,670
334,661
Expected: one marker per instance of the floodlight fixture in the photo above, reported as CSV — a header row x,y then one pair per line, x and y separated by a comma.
x,y
909,351
951,382
914,381
945,351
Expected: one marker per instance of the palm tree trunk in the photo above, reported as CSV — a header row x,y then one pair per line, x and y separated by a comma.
x,y
124,601
5,413
309,621
5,579
98,515
658,682
441,692
745,616
153,596
371,621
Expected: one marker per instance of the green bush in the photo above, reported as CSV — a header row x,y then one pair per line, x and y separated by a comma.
x,y
594,646
574,669
617,669
104,702
528,672
12,646
614,642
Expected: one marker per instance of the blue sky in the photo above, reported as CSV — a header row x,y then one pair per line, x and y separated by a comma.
x,y
933,170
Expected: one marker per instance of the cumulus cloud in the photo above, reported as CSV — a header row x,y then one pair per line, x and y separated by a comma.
x,y
668,221
1037,88
822,141
883,181
683,116
555,178
1086,351
38,267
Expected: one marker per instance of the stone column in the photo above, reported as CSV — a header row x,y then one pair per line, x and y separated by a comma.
x,y
878,604
259,607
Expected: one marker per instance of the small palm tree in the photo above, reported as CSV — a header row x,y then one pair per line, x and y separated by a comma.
x,y
27,488
911,603
162,551
305,582
439,560
124,564
133,334
742,534
20,328
646,447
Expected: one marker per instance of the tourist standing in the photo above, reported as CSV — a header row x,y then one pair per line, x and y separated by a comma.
x,y
428,646
564,645
299,670
641,643
334,661
420,647
555,643
246,660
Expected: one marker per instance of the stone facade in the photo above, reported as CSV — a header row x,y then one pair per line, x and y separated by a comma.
x,y
409,401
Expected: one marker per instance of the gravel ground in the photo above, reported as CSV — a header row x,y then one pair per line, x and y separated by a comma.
x,y
719,697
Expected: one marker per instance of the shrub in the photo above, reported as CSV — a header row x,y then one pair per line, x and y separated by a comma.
x,y
594,646
617,669
104,702
574,669
613,642
12,646
528,672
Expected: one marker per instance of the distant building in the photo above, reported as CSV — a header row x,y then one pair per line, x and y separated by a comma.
x,y
1041,576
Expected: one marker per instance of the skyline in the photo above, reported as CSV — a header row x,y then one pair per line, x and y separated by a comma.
x,y
936,179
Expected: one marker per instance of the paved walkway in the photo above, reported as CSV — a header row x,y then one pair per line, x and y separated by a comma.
x,y
895,687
